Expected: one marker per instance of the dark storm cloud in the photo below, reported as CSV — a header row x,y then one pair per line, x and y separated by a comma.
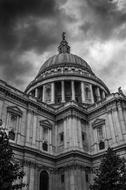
x,y
14,12
11,9
13,70
104,19
25,25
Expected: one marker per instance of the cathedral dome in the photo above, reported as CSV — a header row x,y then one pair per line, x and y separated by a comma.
x,y
65,77
64,59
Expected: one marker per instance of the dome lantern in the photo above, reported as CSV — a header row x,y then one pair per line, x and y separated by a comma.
x,y
64,47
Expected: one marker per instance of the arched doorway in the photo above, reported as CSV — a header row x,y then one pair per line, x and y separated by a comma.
x,y
44,181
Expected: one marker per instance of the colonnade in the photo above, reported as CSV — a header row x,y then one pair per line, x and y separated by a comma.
x,y
86,92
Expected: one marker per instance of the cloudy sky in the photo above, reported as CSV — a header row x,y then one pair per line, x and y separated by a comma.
x,y
30,31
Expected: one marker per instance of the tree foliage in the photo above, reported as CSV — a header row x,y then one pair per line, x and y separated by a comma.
x,y
111,174
11,173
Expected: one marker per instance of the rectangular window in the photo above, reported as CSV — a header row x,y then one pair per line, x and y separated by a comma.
x,y
62,178
45,133
87,179
13,121
13,125
101,145
83,136
61,137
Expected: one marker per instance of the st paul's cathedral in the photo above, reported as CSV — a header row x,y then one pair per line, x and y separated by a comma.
x,y
63,122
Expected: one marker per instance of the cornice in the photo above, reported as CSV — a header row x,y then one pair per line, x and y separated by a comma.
x,y
33,151
88,76
105,105
74,154
72,159
9,93
71,109
117,149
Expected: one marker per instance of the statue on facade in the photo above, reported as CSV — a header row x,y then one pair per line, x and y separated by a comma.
x,y
120,91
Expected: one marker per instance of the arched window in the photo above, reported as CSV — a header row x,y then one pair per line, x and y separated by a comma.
x,y
44,181
45,146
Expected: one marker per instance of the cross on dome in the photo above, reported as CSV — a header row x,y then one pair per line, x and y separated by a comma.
x,y
64,47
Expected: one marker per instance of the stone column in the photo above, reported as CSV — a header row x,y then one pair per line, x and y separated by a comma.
x,y
36,93
82,92
43,96
92,97
73,90
98,94
52,92
103,94
62,92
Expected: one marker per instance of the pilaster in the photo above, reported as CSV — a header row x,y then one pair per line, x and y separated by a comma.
x,y
121,119
111,127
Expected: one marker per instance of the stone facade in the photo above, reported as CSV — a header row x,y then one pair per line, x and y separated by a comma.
x,y
62,124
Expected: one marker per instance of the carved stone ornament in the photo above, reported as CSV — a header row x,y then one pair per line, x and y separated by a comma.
x,y
98,123
46,123
15,110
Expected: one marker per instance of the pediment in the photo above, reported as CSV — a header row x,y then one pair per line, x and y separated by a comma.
x,y
15,110
46,123
98,122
